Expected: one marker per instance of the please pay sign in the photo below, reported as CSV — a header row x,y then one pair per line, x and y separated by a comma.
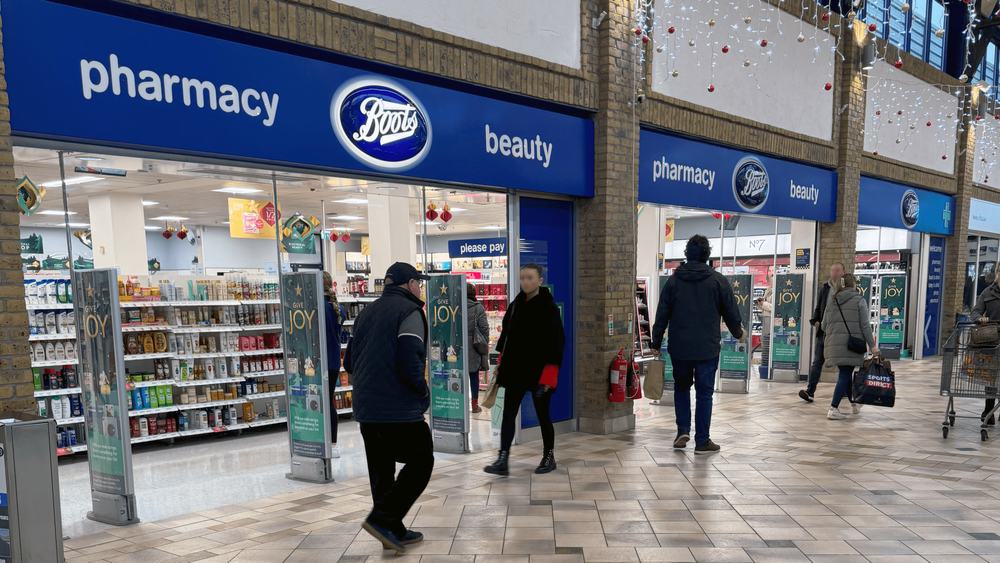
x,y
477,248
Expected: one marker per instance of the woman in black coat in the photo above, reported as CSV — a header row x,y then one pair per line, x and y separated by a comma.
x,y
334,321
531,350
988,309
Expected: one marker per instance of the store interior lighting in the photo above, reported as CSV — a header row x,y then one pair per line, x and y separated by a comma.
x,y
70,182
56,212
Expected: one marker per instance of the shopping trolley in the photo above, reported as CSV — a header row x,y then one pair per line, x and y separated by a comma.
x,y
968,372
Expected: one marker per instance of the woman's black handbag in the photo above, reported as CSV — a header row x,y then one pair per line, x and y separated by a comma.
x,y
854,344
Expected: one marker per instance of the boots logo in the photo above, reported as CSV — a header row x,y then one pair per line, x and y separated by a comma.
x,y
381,124
909,209
750,184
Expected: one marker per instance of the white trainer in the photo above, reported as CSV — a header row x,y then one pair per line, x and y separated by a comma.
x,y
856,408
835,414
335,452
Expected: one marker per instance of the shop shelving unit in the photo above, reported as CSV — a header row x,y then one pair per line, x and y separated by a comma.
x,y
643,326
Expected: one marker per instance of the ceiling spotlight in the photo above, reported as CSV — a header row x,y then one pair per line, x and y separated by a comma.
x,y
144,202
353,200
238,190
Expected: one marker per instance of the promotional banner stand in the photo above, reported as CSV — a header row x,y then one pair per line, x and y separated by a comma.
x,y
102,366
734,361
788,329
449,369
307,380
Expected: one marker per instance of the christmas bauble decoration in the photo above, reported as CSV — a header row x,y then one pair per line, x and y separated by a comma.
x,y
939,33
944,157
898,64
347,237
183,233
963,78
446,214
875,153
431,213
905,7
659,48
747,19
878,112
913,126
637,31
645,39
711,88
900,112
950,115
334,236
675,73
691,42
897,141
746,62
800,38
826,17
711,23
725,49
670,29
763,42
872,28
828,86
928,123
890,121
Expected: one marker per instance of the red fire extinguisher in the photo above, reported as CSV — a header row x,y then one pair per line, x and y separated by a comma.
x,y
618,378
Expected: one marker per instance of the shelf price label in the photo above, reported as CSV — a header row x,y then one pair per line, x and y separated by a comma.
x,y
303,313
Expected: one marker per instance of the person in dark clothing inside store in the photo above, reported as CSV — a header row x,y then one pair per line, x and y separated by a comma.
x,y
988,309
816,369
335,315
691,302
531,348
386,357
479,325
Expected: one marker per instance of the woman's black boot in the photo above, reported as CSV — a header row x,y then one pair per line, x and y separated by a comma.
x,y
548,463
499,467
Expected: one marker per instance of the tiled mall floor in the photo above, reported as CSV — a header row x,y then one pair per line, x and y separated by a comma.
x,y
788,486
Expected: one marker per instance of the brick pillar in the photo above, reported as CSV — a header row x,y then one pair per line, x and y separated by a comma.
x,y
607,228
837,241
16,389
956,251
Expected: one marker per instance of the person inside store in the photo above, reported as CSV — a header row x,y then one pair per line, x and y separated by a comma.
x,y
692,302
988,308
816,368
479,339
335,315
387,359
846,318
531,346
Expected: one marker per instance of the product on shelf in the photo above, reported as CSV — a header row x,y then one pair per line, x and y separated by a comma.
x,y
48,291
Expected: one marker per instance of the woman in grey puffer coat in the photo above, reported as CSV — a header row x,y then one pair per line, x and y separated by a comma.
x,y
846,315
477,362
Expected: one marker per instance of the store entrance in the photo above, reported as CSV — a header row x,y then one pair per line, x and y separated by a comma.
x,y
772,281
888,272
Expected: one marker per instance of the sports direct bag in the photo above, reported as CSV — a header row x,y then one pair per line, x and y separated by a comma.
x,y
875,384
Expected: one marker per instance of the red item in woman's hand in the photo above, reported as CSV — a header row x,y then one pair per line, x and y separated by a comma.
x,y
550,376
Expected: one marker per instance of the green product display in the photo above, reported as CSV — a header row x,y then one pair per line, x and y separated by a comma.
x,y
734,360
786,334
446,312
892,312
302,314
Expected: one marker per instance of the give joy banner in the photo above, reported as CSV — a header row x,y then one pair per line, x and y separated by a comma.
x,y
892,314
446,312
302,314
102,365
734,360
786,334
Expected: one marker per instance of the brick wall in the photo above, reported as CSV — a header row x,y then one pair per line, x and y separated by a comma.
x,y
956,252
16,388
607,228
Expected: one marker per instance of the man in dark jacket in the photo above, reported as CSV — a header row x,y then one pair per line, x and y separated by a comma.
x,y
387,357
819,355
691,302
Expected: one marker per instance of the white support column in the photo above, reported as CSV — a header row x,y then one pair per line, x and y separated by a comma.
x,y
391,231
117,227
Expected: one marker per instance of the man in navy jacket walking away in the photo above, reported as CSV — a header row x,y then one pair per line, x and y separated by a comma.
x,y
691,303
387,357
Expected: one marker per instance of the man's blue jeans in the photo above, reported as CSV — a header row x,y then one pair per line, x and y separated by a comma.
x,y
701,374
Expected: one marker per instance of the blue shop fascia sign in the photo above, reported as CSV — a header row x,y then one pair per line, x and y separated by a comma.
x,y
888,204
477,248
675,170
108,80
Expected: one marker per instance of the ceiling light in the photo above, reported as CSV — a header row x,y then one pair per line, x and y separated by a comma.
x,y
94,158
70,181
54,212
457,209
75,224
152,228
345,217
150,202
225,222
386,188
354,200
238,190
169,218
490,228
